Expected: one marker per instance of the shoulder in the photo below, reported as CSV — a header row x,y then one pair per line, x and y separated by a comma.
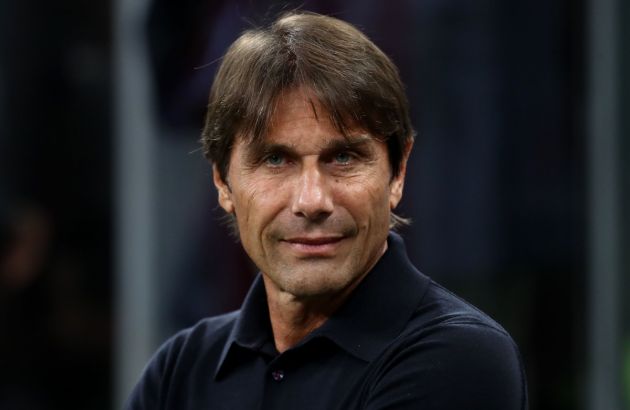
x,y
178,357
439,308
451,355
208,334
204,333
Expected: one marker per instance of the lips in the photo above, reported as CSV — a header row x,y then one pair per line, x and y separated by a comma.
x,y
314,245
318,240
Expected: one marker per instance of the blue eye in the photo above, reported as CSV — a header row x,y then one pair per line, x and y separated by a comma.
x,y
343,157
275,160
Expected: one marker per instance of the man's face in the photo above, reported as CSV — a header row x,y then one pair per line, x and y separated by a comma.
x,y
312,207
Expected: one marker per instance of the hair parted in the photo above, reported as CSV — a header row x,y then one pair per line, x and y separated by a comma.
x,y
352,79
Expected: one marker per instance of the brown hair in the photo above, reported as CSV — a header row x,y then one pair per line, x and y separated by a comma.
x,y
354,81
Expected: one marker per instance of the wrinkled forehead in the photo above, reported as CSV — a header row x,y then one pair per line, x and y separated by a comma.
x,y
298,117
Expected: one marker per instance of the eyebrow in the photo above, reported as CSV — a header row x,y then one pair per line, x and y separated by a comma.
x,y
350,142
257,150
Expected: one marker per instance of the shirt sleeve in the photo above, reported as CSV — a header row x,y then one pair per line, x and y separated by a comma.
x,y
462,365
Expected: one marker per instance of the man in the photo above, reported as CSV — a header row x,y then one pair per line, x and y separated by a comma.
x,y
308,132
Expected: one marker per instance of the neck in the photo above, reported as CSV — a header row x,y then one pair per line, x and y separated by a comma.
x,y
293,318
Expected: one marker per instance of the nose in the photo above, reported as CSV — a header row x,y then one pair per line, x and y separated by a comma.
x,y
313,199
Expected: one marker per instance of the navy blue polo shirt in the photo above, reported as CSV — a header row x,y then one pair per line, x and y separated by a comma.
x,y
400,341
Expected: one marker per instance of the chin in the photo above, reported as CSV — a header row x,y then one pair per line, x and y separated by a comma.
x,y
316,284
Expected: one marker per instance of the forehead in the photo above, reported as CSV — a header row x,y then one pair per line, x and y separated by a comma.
x,y
297,104
300,119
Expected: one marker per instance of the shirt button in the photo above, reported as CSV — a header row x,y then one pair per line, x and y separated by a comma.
x,y
277,375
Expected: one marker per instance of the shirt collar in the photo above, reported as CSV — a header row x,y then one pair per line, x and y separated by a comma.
x,y
252,329
380,307
374,314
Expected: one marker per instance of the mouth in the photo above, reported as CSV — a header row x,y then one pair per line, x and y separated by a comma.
x,y
313,246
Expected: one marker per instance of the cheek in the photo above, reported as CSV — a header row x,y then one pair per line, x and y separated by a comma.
x,y
256,203
366,199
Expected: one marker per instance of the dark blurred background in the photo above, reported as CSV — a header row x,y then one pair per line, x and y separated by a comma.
x,y
110,238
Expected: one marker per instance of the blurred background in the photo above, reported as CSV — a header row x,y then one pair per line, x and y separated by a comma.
x,y
110,238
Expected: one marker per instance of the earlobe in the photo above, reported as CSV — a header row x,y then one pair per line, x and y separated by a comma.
x,y
225,194
396,190
397,184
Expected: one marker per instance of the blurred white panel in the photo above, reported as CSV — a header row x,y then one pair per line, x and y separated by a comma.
x,y
603,147
134,195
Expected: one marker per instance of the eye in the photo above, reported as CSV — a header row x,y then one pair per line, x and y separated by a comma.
x,y
343,157
275,159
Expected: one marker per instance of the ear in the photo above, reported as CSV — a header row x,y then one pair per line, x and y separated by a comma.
x,y
397,184
225,194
